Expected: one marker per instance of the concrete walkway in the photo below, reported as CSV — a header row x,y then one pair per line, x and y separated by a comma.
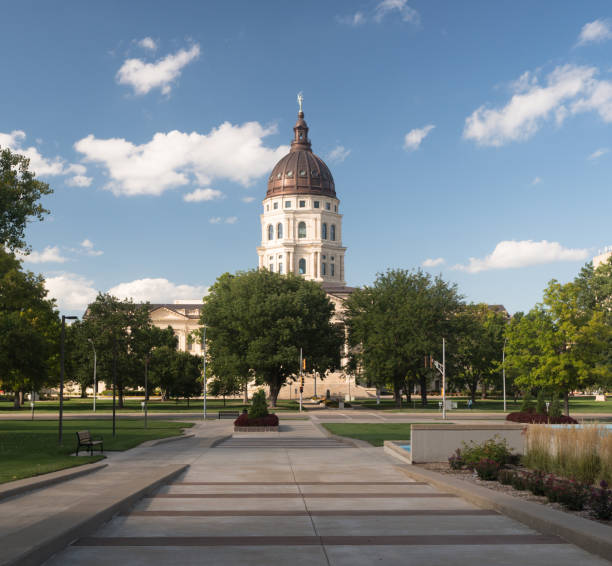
x,y
299,497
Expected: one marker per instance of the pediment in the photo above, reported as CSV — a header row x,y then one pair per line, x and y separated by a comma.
x,y
164,313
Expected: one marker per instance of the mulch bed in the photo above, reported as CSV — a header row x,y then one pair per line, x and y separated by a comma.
x,y
471,477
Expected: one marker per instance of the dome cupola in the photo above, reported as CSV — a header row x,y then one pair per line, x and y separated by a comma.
x,y
301,171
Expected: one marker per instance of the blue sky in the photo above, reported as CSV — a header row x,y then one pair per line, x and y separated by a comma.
x,y
472,136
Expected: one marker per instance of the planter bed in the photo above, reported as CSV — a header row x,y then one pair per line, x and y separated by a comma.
x,y
471,477
255,428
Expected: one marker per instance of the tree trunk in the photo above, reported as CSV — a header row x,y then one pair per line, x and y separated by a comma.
x,y
566,402
188,402
274,391
246,392
407,390
18,399
423,382
120,396
473,386
224,399
484,390
397,394
83,392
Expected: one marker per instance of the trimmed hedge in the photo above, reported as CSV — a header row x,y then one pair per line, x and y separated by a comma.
x,y
537,418
244,420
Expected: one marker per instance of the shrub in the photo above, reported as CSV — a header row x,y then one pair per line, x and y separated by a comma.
x,y
334,404
535,482
487,469
492,449
505,477
555,407
571,494
541,403
245,420
601,501
456,461
259,407
536,418
527,404
518,481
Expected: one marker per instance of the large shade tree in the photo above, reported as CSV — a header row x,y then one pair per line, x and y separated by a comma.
x,y
396,322
20,193
257,321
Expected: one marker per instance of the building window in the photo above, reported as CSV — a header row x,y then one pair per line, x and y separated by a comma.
x,y
302,267
324,230
270,232
287,204
272,267
323,268
302,230
332,232
316,204
189,343
332,269
279,230
275,205
335,208
302,204
280,268
327,206
267,207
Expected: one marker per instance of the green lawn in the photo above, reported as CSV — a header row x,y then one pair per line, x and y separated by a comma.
x,y
30,448
130,405
375,433
577,405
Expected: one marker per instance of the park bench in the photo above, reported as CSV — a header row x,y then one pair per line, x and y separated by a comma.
x,y
85,439
229,414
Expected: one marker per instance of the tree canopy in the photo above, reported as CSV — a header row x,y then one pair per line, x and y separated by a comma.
x,y
257,321
20,193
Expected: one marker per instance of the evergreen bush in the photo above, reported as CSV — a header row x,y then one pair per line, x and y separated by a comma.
x,y
259,407
541,403
555,407
527,405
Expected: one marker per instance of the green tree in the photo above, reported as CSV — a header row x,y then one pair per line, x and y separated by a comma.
x,y
29,330
396,322
20,193
257,321
227,386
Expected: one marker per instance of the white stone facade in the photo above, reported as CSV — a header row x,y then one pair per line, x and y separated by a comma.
x,y
302,234
602,257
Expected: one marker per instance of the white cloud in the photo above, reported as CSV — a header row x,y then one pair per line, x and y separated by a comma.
x,y
157,291
595,31
143,77
176,158
413,138
148,43
79,181
51,254
536,181
200,195
231,220
216,220
338,154
72,292
407,13
42,166
220,220
355,19
598,153
88,248
512,254
248,199
569,90
433,262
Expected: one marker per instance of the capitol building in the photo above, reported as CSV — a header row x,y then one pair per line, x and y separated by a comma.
x,y
301,233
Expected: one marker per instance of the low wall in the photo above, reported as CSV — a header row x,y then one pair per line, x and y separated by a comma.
x,y
437,442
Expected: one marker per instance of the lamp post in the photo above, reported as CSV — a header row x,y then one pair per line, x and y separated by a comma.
x,y
504,371
61,406
95,387
204,366
146,399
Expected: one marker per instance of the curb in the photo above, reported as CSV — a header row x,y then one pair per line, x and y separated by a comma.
x,y
19,487
35,544
588,535
345,439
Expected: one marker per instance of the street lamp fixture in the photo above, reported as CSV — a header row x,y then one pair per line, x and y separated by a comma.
x,y
61,395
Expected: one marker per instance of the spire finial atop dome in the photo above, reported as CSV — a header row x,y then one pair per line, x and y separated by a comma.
x,y
300,99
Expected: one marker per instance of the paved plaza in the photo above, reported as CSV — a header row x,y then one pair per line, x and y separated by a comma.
x,y
298,497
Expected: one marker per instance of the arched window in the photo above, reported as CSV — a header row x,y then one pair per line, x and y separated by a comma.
x,y
324,231
302,230
279,230
302,267
332,232
270,232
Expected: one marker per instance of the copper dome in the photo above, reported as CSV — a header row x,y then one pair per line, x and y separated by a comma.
x,y
301,171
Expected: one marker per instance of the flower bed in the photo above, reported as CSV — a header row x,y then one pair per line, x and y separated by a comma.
x,y
537,418
244,423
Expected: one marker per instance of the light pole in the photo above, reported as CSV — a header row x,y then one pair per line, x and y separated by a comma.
x,y
61,406
146,399
204,365
441,367
95,387
504,371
